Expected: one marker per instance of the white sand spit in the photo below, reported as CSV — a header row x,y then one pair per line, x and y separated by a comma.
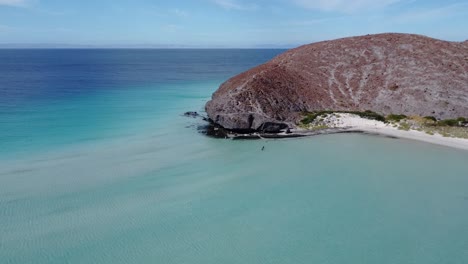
x,y
354,122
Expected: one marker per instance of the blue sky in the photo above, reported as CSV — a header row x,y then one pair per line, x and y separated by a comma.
x,y
223,23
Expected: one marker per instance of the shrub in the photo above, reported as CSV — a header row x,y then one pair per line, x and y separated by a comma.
x,y
431,118
459,122
310,117
369,115
404,126
448,122
393,87
396,118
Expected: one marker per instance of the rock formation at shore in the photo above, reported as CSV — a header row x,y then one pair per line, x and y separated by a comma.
x,y
386,73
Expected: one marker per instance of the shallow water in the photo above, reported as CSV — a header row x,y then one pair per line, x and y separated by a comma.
x,y
116,175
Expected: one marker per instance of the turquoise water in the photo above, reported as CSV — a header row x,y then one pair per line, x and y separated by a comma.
x,y
120,176
100,116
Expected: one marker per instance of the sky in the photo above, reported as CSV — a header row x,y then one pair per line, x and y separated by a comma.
x,y
222,23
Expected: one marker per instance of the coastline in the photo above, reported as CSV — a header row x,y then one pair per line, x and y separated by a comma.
x,y
351,123
458,143
354,123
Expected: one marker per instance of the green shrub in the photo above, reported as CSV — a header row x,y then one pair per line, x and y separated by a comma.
x,y
431,118
459,122
448,122
404,126
369,115
396,118
312,116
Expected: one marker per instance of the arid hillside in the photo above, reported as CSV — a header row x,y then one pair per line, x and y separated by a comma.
x,y
386,73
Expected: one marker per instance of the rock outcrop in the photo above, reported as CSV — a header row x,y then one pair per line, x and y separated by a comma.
x,y
386,73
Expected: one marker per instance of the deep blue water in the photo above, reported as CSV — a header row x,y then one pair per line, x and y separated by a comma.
x,y
98,165
55,74
56,97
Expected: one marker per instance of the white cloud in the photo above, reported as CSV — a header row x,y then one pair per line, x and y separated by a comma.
x,y
234,5
345,6
18,3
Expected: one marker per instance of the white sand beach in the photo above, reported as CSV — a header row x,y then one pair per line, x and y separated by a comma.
x,y
356,123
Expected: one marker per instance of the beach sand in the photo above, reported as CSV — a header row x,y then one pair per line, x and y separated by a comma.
x,y
355,123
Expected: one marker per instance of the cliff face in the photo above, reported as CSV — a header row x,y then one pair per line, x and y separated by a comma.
x,y
385,73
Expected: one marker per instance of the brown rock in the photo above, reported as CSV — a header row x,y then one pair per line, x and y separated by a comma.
x,y
386,73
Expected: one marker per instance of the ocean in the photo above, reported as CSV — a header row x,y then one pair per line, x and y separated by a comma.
x,y
99,165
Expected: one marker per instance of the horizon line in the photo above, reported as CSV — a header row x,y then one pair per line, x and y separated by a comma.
x,y
140,46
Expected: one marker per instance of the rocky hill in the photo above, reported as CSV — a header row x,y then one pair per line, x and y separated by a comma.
x,y
386,73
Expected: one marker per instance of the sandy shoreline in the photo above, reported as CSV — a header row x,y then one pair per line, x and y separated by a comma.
x,y
354,123
340,123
